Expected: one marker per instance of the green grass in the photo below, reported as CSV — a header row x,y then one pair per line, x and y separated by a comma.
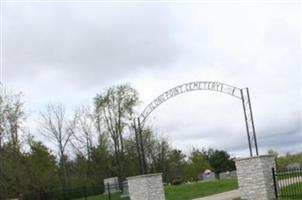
x,y
289,190
289,174
295,189
186,191
199,189
105,197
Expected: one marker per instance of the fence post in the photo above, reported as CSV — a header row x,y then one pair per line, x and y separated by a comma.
x,y
275,182
108,190
64,195
85,192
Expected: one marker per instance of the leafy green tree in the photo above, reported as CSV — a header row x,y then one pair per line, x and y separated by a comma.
x,y
176,165
196,164
13,182
42,172
156,153
131,155
283,161
12,118
102,164
77,172
219,160
114,107
162,159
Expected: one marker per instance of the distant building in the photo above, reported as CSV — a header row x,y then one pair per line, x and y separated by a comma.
x,y
293,166
226,175
125,189
111,185
208,175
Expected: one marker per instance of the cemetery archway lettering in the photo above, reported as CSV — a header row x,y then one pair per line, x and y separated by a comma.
x,y
239,93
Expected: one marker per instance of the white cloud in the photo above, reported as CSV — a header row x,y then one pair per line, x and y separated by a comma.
x,y
69,53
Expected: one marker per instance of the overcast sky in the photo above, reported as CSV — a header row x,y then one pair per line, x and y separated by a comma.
x,y
68,52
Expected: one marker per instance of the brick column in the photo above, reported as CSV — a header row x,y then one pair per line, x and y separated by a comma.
x,y
255,177
146,187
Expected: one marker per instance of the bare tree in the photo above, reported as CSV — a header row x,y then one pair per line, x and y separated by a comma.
x,y
11,118
85,132
2,120
56,126
15,118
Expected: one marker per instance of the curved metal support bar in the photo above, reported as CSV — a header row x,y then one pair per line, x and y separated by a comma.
x,y
188,87
242,94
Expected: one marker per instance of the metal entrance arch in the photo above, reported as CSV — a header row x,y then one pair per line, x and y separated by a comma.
x,y
239,93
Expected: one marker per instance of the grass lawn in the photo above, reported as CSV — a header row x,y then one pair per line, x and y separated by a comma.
x,y
289,174
295,189
186,191
199,189
104,197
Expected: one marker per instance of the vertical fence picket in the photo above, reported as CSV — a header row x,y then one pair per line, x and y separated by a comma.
x,y
288,183
85,192
108,190
300,182
275,183
295,180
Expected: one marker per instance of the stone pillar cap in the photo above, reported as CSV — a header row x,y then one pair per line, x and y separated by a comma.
x,y
144,176
255,157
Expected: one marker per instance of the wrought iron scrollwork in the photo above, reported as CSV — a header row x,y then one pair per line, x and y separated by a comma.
x,y
242,94
188,87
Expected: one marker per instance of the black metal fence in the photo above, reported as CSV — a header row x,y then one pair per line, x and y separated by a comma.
x,y
106,192
288,184
65,194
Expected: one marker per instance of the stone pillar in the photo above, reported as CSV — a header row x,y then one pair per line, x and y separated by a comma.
x,y
255,177
146,187
113,185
